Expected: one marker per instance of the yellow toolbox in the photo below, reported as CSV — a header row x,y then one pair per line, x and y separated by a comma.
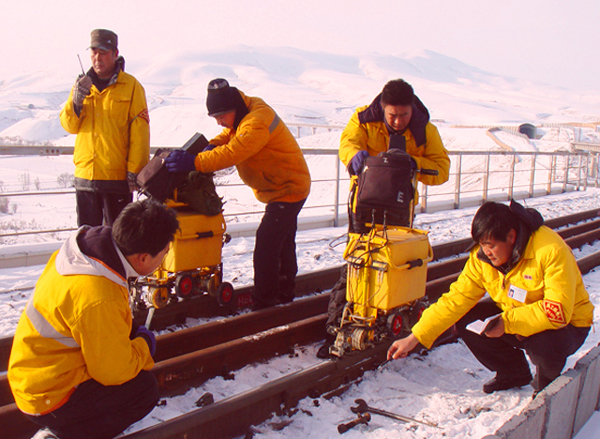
x,y
197,244
387,268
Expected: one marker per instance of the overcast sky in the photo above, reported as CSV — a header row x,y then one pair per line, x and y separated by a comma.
x,y
549,41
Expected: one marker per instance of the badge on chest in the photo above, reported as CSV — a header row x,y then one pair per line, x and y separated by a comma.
x,y
518,294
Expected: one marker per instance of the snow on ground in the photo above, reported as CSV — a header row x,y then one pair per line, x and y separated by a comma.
x,y
442,387
324,89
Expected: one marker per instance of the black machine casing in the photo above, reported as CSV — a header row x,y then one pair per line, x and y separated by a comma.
x,y
156,181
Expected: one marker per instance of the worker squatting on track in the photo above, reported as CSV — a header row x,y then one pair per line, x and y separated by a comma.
x,y
79,364
536,300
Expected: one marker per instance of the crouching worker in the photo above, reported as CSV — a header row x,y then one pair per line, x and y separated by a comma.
x,y
79,365
535,290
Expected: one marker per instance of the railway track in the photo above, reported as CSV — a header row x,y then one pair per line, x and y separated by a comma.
x,y
189,357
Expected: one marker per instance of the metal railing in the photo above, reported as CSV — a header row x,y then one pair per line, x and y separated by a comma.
x,y
475,176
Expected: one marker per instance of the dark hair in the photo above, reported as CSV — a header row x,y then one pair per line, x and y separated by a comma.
x,y
493,220
144,227
397,92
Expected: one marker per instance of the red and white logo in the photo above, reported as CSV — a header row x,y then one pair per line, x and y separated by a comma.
x,y
554,311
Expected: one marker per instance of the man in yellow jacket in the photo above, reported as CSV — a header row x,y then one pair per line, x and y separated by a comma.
x,y
536,300
395,119
108,112
79,364
269,160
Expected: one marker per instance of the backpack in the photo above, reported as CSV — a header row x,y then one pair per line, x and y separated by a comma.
x,y
386,186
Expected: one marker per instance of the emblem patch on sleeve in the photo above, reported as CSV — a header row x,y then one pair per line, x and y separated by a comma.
x,y
554,311
145,115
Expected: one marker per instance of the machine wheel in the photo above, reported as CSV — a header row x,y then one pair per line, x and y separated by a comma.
x,y
417,312
214,283
159,296
225,294
395,324
184,285
359,339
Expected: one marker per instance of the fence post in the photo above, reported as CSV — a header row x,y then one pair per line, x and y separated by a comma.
x,y
566,179
586,170
336,201
532,177
550,174
512,176
486,179
579,161
457,186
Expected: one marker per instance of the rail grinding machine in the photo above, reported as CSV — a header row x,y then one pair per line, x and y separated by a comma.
x,y
193,265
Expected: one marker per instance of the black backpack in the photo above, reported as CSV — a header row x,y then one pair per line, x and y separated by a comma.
x,y
385,186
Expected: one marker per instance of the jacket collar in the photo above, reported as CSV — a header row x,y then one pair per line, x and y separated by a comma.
x,y
418,121
91,250
99,83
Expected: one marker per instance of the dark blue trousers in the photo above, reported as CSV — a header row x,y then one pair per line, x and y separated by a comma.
x,y
548,350
99,208
275,264
95,411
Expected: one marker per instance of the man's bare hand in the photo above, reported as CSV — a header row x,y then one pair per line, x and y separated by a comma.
x,y
495,328
401,348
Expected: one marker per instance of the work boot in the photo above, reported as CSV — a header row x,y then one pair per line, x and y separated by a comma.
x,y
323,351
44,433
500,383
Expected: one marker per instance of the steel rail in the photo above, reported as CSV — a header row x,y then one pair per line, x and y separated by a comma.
x,y
318,281
177,374
322,280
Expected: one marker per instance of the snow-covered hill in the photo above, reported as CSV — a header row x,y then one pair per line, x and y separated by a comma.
x,y
303,87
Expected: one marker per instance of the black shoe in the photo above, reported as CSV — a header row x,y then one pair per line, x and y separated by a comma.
x,y
496,383
323,351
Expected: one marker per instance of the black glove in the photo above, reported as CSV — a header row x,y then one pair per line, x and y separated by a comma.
x,y
132,181
81,89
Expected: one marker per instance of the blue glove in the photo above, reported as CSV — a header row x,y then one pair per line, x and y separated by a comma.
x,y
209,147
180,161
357,162
148,337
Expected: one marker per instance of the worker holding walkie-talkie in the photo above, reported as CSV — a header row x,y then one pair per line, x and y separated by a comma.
x,y
107,110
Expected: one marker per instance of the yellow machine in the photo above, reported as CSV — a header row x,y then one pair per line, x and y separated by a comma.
x,y
191,267
387,272
193,264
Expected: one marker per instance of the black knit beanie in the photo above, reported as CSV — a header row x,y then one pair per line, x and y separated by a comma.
x,y
220,98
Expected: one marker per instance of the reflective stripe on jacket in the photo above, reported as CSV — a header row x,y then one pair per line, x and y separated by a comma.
x,y
76,326
547,271
113,133
265,153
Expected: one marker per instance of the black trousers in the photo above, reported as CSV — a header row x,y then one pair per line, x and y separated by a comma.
x,y
275,264
548,350
98,208
95,411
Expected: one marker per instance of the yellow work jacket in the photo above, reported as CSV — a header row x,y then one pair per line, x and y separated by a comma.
x,y
547,272
113,132
374,138
265,153
76,326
